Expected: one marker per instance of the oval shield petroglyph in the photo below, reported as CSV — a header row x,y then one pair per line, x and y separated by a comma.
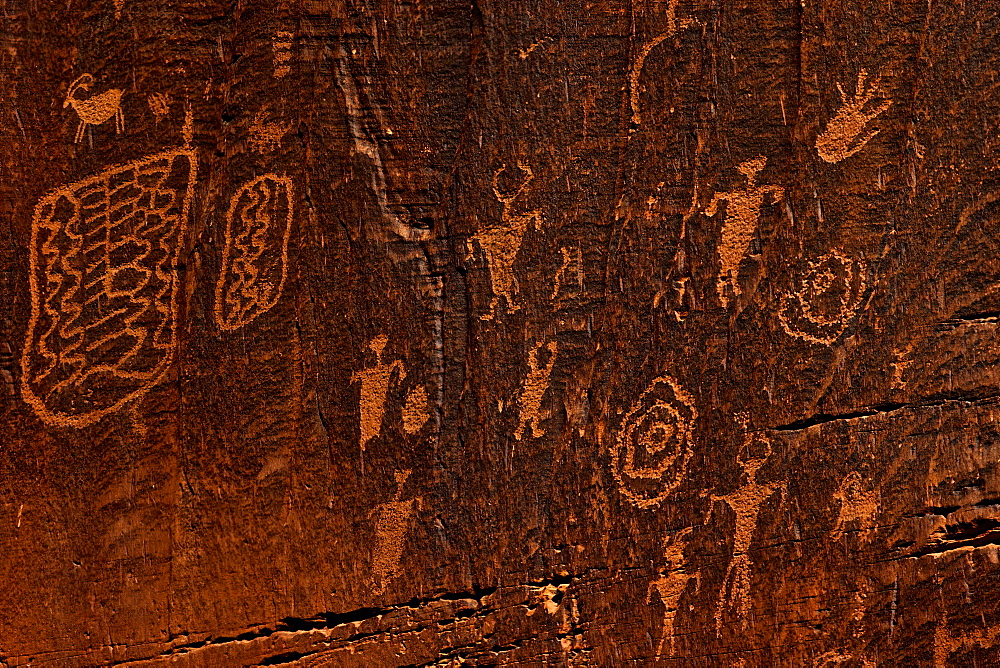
x,y
104,287
255,256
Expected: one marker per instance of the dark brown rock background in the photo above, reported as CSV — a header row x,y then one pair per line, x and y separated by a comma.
x,y
502,333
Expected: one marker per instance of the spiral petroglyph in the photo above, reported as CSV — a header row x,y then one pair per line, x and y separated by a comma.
x,y
104,288
255,256
829,297
650,457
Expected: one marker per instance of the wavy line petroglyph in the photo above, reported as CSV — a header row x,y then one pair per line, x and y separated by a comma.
x,y
671,584
830,295
843,136
535,385
104,287
650,456
96,109
502,242
416,411
858,504
281,46
394,520
375,382
255,251
674,25
741,217
745,502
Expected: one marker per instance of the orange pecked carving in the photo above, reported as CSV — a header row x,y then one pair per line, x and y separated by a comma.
x,y
104,287
255,255
95,109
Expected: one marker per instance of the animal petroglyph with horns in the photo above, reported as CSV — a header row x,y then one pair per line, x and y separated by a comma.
x,y
95,109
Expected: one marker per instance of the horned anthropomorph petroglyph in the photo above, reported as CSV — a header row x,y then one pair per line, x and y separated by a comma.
x,y
844,134
104,287
741,216
255,251
96,109
670,585
501,242
745,503
650,455
535,385
375,382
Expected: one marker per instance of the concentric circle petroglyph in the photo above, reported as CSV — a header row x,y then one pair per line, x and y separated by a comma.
x,y
829,296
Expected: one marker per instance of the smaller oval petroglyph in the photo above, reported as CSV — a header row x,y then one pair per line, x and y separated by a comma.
x,y
830,295
650,456
255,255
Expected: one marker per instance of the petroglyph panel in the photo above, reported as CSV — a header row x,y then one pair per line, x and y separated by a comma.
x,y
830,295
104,287
741,216
255,255
650,456
845,133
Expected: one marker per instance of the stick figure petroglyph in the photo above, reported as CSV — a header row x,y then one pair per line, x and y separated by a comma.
x,y
843,136
535,385
745,502
741,216
375,388
502,242
95,109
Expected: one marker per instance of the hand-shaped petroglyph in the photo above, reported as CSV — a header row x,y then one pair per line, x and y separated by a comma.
x,y
95,109
650,456
843,136
535,385
375,388
502,242
742,213
104,289
255,255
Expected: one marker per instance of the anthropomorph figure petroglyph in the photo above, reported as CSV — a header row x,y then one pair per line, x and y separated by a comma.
x,y
501,243
391,527
375,388
670,585
844,134
741,216
535,385
745,502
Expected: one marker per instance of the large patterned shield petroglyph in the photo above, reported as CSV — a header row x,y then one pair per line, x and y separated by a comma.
x,y
255,256
104,287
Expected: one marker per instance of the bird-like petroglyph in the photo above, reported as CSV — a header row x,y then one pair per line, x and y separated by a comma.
x,y
741,217
104,287
255,254
670,586
745,503
830,295
501,242
535,385
375,382
96,109
845,134
650,455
